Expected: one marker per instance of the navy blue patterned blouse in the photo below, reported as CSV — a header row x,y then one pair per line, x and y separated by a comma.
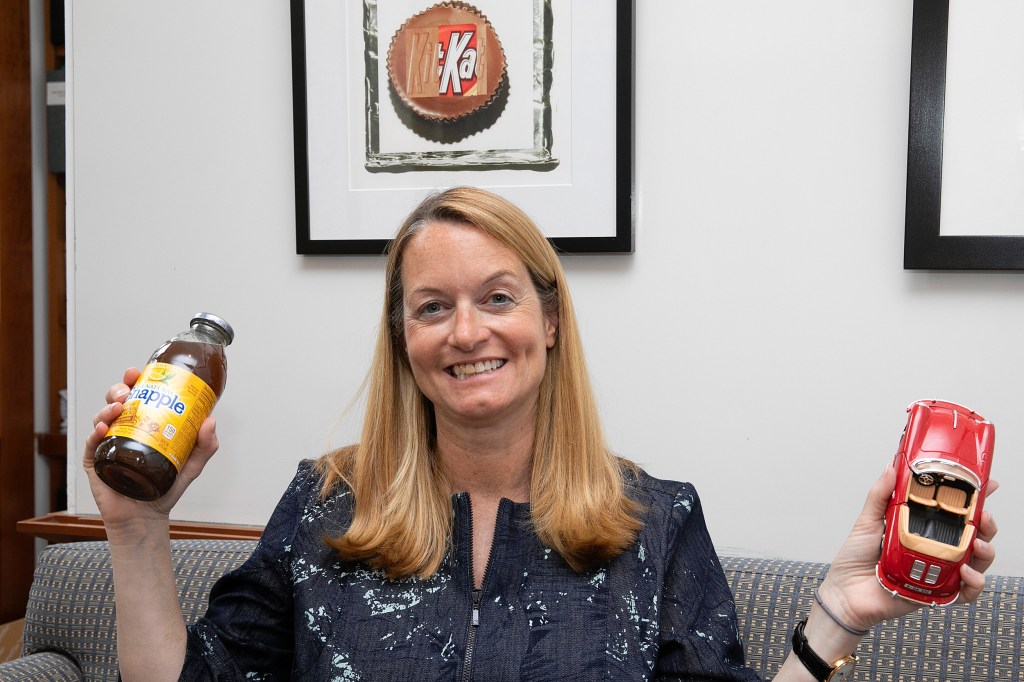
x,y
294,610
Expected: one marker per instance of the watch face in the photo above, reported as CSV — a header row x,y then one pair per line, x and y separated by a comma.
x,y
844,671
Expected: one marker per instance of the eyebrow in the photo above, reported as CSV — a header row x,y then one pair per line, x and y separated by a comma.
x,y
502,274
499,275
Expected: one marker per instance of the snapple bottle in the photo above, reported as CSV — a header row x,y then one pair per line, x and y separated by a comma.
x,y
147,445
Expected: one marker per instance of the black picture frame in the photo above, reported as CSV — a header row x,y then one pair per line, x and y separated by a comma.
x,y
619,240
924,247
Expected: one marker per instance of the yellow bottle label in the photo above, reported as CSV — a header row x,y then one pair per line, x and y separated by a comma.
x,y
164,410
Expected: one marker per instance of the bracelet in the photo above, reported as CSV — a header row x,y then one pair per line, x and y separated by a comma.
x,y
859,633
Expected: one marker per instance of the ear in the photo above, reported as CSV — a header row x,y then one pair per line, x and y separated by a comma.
x,y
551,329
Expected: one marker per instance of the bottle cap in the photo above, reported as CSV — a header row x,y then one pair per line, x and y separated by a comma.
x,y
210,318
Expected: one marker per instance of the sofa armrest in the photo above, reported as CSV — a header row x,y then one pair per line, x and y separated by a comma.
x,y
45,666
71,603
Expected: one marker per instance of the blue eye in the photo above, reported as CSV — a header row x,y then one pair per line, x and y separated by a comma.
x,y
431,308
500,299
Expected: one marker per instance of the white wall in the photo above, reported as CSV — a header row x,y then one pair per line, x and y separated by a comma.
x,y
40,333
762,342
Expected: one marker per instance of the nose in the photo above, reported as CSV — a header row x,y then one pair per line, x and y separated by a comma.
x,y
468,329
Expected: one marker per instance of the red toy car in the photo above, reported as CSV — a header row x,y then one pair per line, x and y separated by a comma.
x,y
942,469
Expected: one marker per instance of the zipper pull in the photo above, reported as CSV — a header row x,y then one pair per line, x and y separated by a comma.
x,y
476,607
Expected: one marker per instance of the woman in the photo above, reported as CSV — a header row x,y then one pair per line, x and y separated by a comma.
x,y
480,529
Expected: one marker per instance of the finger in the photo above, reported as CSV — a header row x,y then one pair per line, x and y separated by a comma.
x,y
92,441
879,496
993,485
118,392
987,529
973,584
207,441
207,444
131,375
973,575
984,555
108,414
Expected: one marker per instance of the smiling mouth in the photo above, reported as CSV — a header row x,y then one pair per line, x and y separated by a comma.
x,y
468,370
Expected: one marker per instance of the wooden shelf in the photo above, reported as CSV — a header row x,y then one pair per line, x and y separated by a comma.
x,y
67,527
52,445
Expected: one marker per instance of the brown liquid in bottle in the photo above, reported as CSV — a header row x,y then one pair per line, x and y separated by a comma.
x,y
136,469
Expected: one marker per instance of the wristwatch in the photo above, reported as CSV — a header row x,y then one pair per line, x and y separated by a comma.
x,y
836,672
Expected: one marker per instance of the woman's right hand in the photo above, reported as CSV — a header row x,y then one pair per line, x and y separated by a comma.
x,y
118,510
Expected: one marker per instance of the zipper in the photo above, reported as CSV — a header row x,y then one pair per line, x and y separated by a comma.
x,y
474,619
467,665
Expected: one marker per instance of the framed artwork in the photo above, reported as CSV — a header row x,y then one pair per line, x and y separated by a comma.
x,y
396,99
965,160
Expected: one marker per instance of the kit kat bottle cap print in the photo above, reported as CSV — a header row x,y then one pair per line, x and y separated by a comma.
x,y
446,62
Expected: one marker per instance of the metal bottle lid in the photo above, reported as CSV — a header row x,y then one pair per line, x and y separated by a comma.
x,y
210,318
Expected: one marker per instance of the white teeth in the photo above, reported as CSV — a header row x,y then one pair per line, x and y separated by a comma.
x,y
463,371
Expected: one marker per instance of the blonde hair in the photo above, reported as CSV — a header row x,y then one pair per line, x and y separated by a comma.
x,y
402,515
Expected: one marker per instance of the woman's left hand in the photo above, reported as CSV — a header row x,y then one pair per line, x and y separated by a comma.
x,y
851,589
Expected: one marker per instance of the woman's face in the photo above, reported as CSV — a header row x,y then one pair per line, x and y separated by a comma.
x,y
475,332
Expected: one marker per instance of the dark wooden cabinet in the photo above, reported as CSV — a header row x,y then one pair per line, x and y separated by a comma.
x,y
17,437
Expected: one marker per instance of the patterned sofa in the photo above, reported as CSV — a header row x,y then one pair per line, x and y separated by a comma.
x,y
69,624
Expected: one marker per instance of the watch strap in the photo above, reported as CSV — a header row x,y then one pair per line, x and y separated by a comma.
x,y
812,661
